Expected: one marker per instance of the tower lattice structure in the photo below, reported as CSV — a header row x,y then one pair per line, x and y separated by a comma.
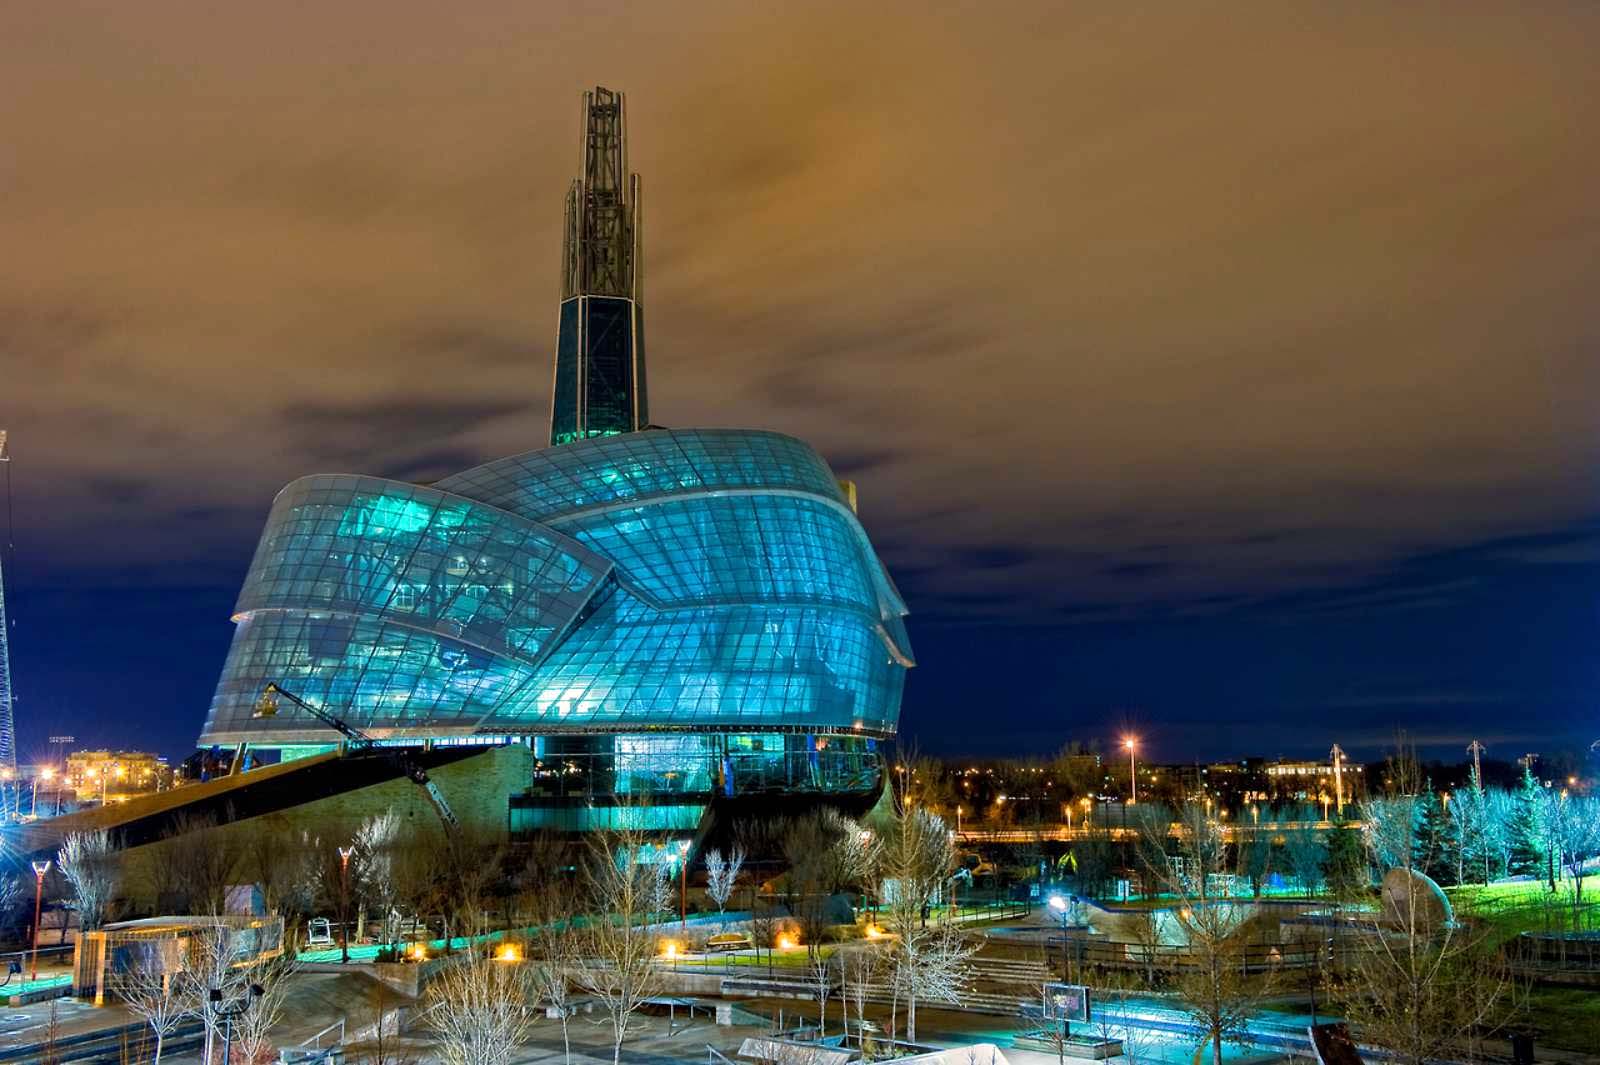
x,y
599,387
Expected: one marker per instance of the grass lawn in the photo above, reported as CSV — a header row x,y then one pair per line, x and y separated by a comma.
x,y
1568,1018
1529,906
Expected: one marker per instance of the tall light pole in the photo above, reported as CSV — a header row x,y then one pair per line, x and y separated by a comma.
x,y
1476,749
1059,905
1338,778
39,869
683,887
344,904
1133,768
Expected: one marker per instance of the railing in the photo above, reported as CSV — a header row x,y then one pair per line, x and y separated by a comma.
x,y
1084,954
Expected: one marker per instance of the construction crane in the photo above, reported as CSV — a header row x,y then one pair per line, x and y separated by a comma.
x,y
355,739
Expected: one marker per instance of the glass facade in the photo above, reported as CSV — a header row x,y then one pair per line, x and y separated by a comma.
x,y
599,385
674,612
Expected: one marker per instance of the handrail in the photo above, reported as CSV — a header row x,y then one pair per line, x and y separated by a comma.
x,y
316,1040
717,1057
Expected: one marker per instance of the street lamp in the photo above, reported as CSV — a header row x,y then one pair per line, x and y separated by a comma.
x,y
1133,770
344,903
39,869
238,1008
33,803
683,886
1059,905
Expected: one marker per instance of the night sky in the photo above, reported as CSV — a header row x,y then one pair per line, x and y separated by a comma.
x,y
1228,375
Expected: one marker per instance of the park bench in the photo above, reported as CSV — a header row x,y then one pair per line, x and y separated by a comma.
x,y
728,941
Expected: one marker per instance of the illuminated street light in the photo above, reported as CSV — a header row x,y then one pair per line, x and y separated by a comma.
x,y
39,869
1133,769
1059,905
683,886
344,903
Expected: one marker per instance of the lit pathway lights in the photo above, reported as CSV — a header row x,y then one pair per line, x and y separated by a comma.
x,y
39,869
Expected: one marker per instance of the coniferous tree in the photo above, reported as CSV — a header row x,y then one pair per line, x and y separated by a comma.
x,y
1436,843
1528,851
1345,867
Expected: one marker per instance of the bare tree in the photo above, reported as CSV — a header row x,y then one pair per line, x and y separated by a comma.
x,y
252,1029
480,1011
373,870
859,970
822,968
1421,985
549,903
91,866
934,967
722,875
1428,988
1211,972
918,858
619,948
204,860
152,989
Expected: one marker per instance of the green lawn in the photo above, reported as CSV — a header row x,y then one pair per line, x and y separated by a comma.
x,y
1529,906
1568,1018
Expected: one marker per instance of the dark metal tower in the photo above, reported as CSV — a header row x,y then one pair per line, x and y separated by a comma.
x,y
599,387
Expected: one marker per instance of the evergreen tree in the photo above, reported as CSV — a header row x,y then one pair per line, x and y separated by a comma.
x,y
1476,829
1528,851
1436,844
1345,867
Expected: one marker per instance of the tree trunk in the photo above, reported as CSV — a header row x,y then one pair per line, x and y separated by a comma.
x,y
1216,1048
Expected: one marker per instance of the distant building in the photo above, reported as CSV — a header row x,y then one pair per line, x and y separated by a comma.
x,y
115,776
1309,780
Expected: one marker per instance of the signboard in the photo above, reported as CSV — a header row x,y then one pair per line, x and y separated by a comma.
x,y
1066,1002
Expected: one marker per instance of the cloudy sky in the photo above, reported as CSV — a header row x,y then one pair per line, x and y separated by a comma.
x,y
1223,372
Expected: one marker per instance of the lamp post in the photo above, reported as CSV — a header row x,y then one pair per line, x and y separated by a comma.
x,y
683,887
39,869
238,1008
344,904
1059,905
1133,768
33,802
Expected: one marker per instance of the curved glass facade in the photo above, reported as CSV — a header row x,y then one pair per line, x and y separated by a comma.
x,y
711,581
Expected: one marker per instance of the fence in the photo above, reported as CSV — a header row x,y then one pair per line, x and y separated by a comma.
x,y
1081,956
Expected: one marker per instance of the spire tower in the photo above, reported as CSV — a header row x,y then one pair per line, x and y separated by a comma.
x,y
599,387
